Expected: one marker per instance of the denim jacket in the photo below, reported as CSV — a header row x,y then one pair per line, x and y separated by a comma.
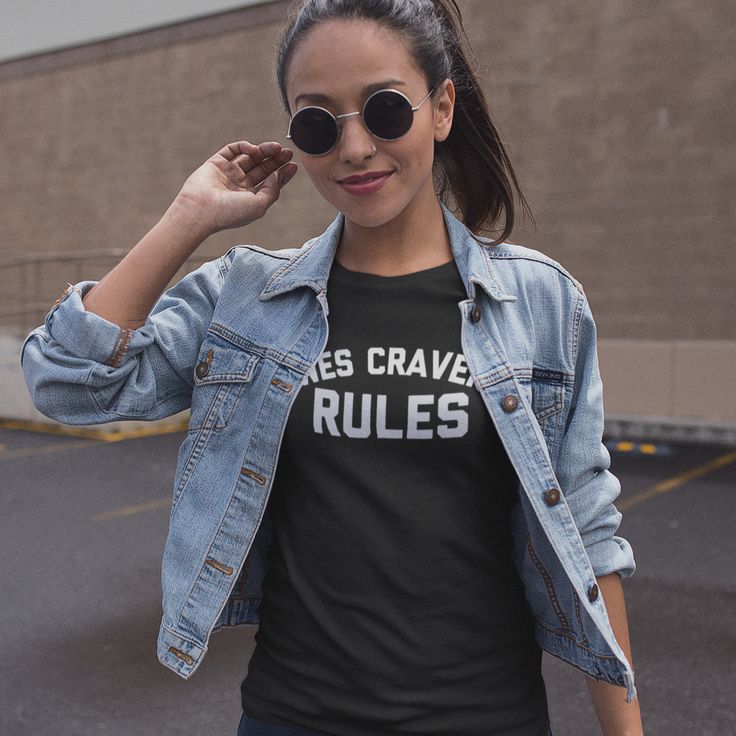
x,y
233,341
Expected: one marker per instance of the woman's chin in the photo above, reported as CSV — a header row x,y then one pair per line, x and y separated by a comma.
x,y
369,215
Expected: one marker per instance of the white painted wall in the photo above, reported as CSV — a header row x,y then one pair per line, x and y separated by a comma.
x,y
33,26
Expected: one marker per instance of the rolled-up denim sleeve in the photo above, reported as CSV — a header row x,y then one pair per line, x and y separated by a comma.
x,y
81,368
590,488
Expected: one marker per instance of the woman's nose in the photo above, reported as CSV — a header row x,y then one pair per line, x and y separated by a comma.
x,y
355,142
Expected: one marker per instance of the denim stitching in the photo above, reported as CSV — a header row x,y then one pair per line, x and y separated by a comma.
x,y
578,319
243,343
528,257
288,265
576,601
120,348
547,411
551,592
571,637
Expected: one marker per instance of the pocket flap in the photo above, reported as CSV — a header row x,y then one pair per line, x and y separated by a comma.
x,y
221,362
545,388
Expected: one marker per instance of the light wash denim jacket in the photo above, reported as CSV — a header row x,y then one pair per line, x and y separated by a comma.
x,y
234,339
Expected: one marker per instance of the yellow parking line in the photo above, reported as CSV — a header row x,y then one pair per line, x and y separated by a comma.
x,y
678,480
106,435
139,508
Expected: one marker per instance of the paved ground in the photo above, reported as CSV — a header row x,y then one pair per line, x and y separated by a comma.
x,y
81,539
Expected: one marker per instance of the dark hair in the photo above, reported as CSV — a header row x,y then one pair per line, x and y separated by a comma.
x,y
471,164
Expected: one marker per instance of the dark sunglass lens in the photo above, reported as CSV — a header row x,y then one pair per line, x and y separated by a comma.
x,y
388,115
313,130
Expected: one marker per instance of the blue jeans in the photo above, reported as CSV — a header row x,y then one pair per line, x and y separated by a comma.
x,y
249,726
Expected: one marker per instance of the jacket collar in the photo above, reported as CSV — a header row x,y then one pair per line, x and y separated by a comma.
x,y
310,266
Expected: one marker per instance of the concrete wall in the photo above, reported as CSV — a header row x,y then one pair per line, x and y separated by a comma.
x,y
617,115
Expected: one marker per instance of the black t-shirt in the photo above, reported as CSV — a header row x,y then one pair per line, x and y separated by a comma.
x,y
392,605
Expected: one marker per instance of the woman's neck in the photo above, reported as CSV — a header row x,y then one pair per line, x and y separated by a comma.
x,y
415,240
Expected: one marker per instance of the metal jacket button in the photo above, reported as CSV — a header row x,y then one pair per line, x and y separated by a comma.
x,y
475,314
593,593
203,368
510,402
552,496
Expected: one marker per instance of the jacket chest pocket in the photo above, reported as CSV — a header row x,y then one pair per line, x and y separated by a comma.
x,y
546,393
221,373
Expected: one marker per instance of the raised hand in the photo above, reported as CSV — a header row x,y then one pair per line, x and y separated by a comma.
x,y
232,188
236,185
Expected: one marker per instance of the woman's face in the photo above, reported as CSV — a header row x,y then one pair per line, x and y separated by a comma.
x,y
337,66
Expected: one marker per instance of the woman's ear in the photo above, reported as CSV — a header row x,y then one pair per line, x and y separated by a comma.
x,y
444,109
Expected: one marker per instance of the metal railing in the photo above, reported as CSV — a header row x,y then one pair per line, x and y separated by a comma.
x,y
31,283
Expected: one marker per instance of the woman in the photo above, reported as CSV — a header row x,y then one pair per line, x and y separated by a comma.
x,y
410,503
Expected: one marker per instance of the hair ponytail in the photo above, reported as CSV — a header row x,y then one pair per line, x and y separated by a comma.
x,y
471,165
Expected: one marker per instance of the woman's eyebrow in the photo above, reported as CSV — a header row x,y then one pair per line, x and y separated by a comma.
x,y
319,97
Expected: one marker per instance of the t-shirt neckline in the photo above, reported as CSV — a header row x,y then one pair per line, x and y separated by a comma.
x,y
372,278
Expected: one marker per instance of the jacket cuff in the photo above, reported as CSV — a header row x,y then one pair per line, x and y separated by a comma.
x,y
612,555
85,334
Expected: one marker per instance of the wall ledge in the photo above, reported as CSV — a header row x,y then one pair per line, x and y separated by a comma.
x,y
692,430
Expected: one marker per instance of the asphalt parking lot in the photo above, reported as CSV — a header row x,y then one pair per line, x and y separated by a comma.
x,y
81,537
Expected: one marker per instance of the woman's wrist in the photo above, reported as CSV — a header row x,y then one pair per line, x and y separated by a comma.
x,y
188,224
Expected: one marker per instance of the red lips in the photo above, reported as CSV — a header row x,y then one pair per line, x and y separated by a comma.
x,y
363,178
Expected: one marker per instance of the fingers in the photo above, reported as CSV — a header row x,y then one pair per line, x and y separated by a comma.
x,y
256,170
245,207
251,152
272,185
231,150
286,173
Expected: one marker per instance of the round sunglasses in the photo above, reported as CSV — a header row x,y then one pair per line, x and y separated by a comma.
x,y
388,114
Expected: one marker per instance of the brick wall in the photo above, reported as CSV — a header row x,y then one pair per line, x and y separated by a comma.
x,y
618,116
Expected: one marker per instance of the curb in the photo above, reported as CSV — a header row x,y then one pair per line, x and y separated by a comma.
x,y
106,435
659,429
